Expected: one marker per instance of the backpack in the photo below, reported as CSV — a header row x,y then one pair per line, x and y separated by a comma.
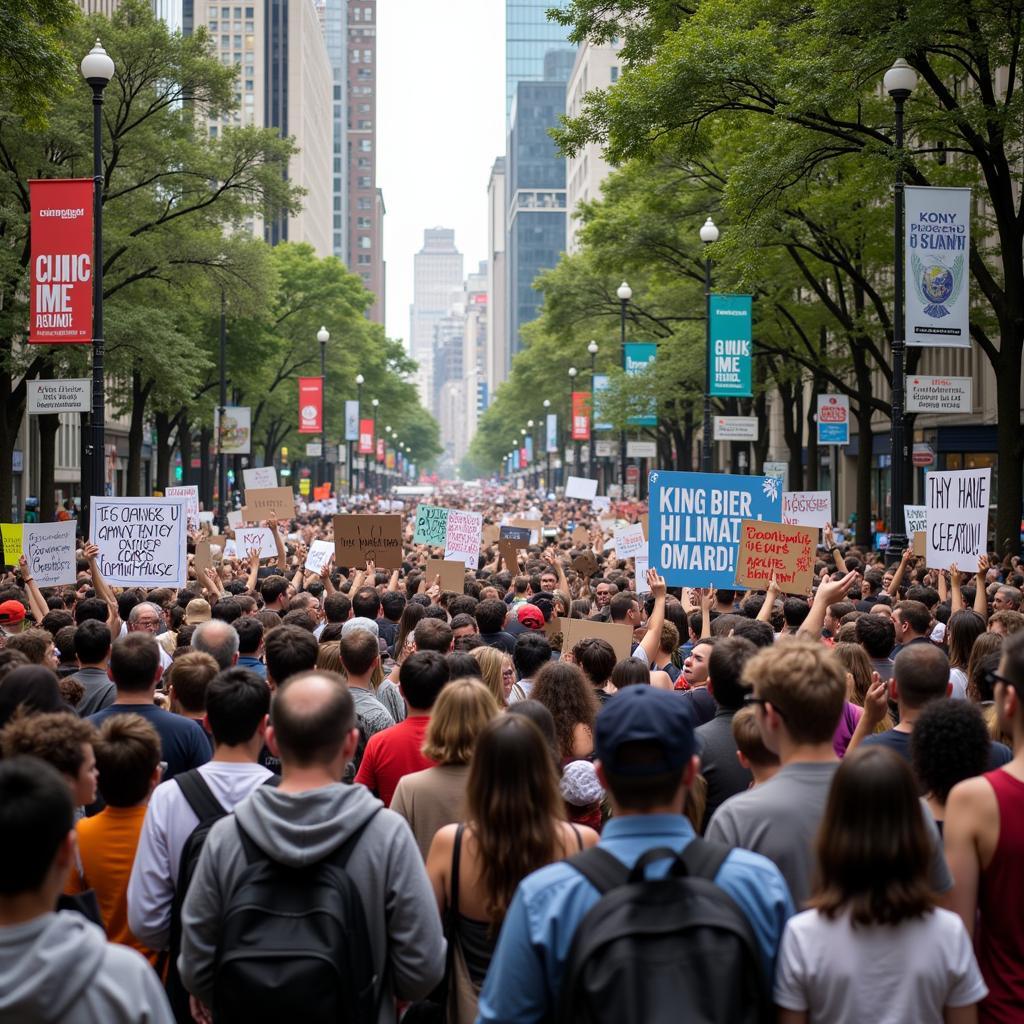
x,y
295,937
675,949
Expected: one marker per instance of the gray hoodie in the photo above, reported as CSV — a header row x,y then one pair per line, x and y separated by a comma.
x,y
60,969
302,828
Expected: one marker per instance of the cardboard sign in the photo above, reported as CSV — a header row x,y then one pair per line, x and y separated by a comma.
x,y
260,537
260,477
642,566
515,533
585,564
12,534
462,541
491,532
920,544
618,634
366,537
142,541
807,508
50,550
629,541
580,536
269,503
453,574
581,487
191,495
509,549
431,525
776,548
319,554
956,508
203,560
533,525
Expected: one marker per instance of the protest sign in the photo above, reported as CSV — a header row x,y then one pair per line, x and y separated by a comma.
x,y
807,508
12,535
601,503
641,565
269,503
956,509
236,519
618,634
366,537
580,487
533,525
431,525
260,477
768,549
522,533
191,496
141,541
580,536
260,537
629,541
453,574
462,541
920,540
318,556
203,559
585,563
491,533
509,552
638,359
50,550
916,519
694,523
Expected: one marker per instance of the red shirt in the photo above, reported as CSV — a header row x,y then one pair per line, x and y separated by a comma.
x,y
392,753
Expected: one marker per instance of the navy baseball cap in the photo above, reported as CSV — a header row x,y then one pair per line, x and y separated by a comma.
x,y
644,714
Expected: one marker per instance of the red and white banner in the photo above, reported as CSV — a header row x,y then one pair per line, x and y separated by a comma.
x,y
366,437
60,306
581,415
311,405
380,449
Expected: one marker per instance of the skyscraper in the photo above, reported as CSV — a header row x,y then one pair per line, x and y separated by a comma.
x,y
529,37
334,16
496,358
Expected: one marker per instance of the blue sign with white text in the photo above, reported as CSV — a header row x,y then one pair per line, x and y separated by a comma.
x,y
638,357
694,524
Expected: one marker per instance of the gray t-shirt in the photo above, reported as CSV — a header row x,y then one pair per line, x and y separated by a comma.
x,y
719,764
371,717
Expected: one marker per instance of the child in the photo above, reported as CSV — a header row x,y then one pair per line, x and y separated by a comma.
x,y
750,749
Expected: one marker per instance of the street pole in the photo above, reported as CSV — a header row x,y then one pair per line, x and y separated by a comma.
x,y
625,293
592,349
222,459
359,419
373,458
708,235
323,336
571,446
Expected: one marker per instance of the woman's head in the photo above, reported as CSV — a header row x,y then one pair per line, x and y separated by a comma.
x,y
462,709
962,631
873,848
491,662
564,690
985,657
411,614
328,657
630,672
29,688
858,670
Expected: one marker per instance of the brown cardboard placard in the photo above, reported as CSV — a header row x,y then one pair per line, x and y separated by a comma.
x,y
645,521
552,626
364,536
767,548
580,537
203,560
585,564
508,548
921,544
618,634
453,574
489,534
269,503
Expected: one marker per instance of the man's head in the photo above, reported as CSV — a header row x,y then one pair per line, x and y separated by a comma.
x,y
625,607
359,653
911,620
237,704
794,611
276,592
36,644
135,662
835,613
463,625
1007,599
90,608
877,635
596,657
490,616
219,640
146,617
871,584
392,604
92,643
603,594
532,653
725,671
337,607
920,674
227,609
366,603
695,667
434,635
548,580
198,610
250,635
187,680
421,678
288,650
314,721
128,760
725,600
62,740
12,616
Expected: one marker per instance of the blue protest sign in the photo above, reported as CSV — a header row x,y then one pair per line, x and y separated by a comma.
x,y
731,345
639,355
695,523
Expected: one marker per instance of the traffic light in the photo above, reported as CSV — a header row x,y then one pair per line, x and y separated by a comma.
x,y
284,453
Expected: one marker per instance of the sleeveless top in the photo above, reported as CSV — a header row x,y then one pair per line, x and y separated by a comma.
x,y
999,936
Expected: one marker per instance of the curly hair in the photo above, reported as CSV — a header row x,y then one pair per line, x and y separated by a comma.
x,y
949,743
56,737
564,690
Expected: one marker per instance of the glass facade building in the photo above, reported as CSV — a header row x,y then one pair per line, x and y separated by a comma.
x,y
529,36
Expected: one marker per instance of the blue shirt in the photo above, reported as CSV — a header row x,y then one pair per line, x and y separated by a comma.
x,y
525,976
253,664
183,743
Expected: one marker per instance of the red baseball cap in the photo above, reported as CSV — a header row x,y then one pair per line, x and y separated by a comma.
x,y
12,611
529,615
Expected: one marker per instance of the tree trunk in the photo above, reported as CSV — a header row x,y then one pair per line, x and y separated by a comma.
x,y
792,395
164,448
48,427
140,398
865,527
760,446
185,447
812,436
205,474
1008,440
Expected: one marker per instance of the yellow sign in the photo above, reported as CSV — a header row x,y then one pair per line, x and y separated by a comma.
x,y
12,533
304,484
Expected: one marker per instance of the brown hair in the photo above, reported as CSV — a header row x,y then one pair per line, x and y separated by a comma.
x,y
190,675
512,790
1011,621
563,689
669,640
33,643
56,737
359,650
127,753
490,660
962,630
329,657
462,709
749,742
855,660
873,848
986,644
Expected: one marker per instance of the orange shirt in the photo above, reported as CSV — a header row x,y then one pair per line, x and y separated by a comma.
x,y
106,847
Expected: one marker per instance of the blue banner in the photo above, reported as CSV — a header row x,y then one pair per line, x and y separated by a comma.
x,y
551,438
731,345
528,445
695,523
639,355
600,386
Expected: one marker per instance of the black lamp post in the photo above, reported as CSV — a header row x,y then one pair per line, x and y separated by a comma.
x,y
625,293
373,458
592,349
323,336
359,414
571,421
547,449
708,235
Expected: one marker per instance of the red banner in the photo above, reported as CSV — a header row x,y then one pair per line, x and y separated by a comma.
x,y
380,449
522,458
581,415
365,437
60,306
311,405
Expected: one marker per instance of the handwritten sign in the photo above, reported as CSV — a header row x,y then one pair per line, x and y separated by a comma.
x,y
453,574
776,548
12,534
50,550
141,540
191,496
269,503
642,564
431,525
956,510
260,537
236,519
319,554
916,518
618,634
462,540
629,541
807,508
365,537
259,477
580,487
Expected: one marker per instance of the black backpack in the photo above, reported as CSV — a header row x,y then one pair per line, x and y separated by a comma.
x,y
295,938
675,949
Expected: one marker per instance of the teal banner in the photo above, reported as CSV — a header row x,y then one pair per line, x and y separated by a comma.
x,y
731,345
639,355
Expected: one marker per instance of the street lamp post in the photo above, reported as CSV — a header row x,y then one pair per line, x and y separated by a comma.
x,y
625,293
323,336
375,402
359,414
592,349
534,454
547,448
571,424
708,235
97,70
222,459
900,81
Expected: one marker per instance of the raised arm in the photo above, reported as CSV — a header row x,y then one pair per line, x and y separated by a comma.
x,y
707,602
828,593
282,555
656,620
764,614
980,593
102,588
956,600
830,543
897,576
35,596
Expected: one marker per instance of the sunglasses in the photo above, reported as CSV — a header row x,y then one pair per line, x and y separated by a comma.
x,y
750,700
991,677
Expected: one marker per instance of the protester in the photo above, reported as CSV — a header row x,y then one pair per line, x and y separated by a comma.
x,y
564,691
92,646
360,655
250,644
751,752
532,653
219,640
493,674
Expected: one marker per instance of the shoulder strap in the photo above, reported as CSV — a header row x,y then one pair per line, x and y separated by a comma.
x,y
579,835
703,858
199,795
603,871
456,857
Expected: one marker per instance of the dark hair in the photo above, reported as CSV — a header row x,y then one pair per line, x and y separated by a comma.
x,y
621,604
725,671
914,614
313,736
949,743
462,604
299,617
237,700
33,643
462,620
273,587
127,753
36,815
366,603
490,615
461,664
411,616
64,641
432,635
392,604
358,651
794,611
532,653
630,672
840,608
92,641
873,848
91,608
596,657
921,674
928,596
564,691
227,609
134,661
55,736
250,634
1012,660
641,792
541,717
336,607
29,687
289,650
190,675
876,634
422,676
758,632
963,628
56,620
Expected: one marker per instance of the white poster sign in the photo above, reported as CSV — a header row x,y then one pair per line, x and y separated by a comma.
x,y
937,249
320,552
261,537
956,508
939,394
462,539
236,519
50,550
600,503
581,487
351,420
259,477
916,517
833,419
142,541
642,565
237,436
735,428
314,449
807,508
629,541
48,396
191,495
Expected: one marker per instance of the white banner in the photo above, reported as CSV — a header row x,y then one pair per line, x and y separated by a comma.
x,y
191,495
237,436
260,537
551,433
735,428
142,541
807,508
937,247
46,396
939,394
956,509
351,420
50,550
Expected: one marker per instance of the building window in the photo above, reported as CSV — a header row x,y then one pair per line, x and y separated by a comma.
x,y
355,13
366,125
364,73
364,161
337,221
364,182
365,204
213,24
364,242
355,57
367,56
363,259
363,222
249,28
250,12
249,84
615,74
213,131
366,145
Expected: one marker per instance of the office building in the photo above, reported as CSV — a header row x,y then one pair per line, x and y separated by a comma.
x,y
529,38
496,359
334,18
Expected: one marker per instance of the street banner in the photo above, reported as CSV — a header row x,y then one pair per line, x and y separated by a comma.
x,y
365,437
731,345
305,485
60,283
735,428
49,396
937,248
600,385
641,449
939,394
639,355
779,469
142,541
956,511
431,525
380,449
833,419
522,458
367,537
916,518
807,508
528,443
190,493
775,549
694,523
551,433
581,415
50,550
311,405
351,420
236,438
462,538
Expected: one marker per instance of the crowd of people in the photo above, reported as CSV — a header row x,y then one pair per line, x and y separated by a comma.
x,y
272,794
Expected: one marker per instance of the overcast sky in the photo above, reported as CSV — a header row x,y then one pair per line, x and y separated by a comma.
x,y
441,123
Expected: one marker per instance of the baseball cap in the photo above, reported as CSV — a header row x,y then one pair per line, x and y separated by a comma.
x,y
197,610
579,784
360,622
12,611
644,714
530,616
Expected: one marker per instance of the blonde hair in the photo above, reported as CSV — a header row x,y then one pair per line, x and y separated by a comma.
x,y
462,709
491,660
328,657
